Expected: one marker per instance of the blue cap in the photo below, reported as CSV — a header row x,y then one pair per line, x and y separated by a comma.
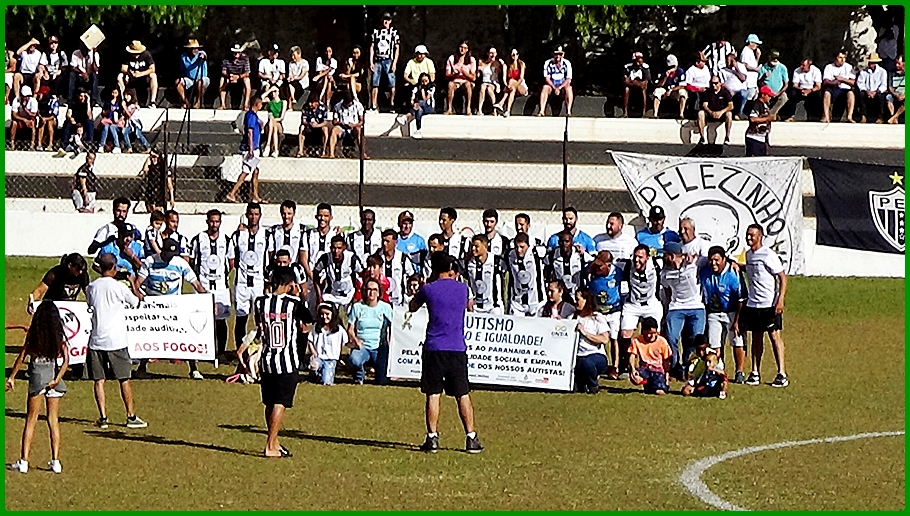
x,y
673,248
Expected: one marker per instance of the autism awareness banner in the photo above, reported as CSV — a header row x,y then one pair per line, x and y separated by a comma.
x,y
537,353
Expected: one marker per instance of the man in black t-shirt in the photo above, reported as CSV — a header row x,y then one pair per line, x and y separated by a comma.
x,y
62,282
85,186
139,70
716,105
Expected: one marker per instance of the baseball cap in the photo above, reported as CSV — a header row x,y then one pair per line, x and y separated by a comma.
x,y
386,16
752,38
405,215
169,249
636,55
559,50
421,49
671,60
774,55
656,213
25,91
673,248
124,228
273,47
766,90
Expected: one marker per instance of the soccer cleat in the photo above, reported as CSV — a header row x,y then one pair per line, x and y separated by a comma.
x,y
55,466
740,377
754,379
431,445
196,375
780,381
134,422
102,423
472,444
20,466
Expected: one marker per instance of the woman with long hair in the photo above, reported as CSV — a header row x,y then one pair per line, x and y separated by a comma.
x,y
354,73
325,342
112,121
45,345
515,84
324,81
491,78
276,108
594,331
461,72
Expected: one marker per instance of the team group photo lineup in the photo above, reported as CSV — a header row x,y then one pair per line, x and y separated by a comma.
x,y
264,229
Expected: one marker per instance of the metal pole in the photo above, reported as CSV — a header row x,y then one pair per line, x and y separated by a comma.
x,y
163,160
565,163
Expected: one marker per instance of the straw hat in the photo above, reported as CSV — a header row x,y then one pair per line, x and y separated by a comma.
x,y
192,43
136,47
874,58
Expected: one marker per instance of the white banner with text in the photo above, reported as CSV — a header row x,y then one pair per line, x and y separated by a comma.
x,y
537,353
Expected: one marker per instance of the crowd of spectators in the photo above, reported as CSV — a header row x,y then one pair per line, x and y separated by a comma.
x,y
42,81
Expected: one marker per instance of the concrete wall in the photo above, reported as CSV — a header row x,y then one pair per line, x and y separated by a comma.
x,y
23,224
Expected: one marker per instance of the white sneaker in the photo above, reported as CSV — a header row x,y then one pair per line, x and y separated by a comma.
x,y
196,375
55,466
116,150
19,466
416,135
135,422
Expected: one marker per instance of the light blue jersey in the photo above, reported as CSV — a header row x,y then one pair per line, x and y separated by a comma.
x,y
160,278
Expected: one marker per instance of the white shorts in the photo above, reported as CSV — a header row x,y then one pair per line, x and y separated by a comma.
x,y
77,200
675,94
244,296
493,310
222,303
633,313
720,328
250,163
613,324
530,310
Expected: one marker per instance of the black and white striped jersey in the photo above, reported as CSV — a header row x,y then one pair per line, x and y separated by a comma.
x,y
526,278
279,320
280,238
457,247
643,286
248,253
316,244
362,246
570,270
209,258
181,240
337,278
499,245
485,279
397,271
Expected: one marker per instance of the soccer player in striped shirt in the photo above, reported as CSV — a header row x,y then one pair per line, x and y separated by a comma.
x,y
172,221
526,286
568,264
279,317
452,242
286,235
209,251
248,257
366,240
499,244
396,266
484,274
523,225
316,242
334,273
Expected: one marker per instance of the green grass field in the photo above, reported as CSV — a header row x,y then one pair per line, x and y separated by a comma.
x,y
355,446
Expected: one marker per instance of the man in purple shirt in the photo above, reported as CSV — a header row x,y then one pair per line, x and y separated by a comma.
x,y
445,354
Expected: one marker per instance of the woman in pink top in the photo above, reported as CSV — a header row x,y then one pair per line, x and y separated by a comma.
x,y
461,70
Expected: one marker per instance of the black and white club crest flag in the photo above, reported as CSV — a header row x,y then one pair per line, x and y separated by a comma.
x,y
859,206
723,196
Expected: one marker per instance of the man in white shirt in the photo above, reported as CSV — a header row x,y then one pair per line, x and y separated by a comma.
x,y
751,57
807,82
693,245
614,240
733,77
84,64
698,79
108,345
24,116
348,121
30,69
873,85
764,305
271,69
838,79
683,302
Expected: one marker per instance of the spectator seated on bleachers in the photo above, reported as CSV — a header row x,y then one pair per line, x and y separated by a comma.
x,y
805,87
557,75
637,77
671,85
194,74
838,79
461,72
235,78
138,72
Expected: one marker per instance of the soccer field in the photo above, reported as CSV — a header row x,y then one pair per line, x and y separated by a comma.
x,y
355,447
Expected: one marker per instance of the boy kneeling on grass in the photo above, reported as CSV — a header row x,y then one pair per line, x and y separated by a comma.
x,y
649,356
705,375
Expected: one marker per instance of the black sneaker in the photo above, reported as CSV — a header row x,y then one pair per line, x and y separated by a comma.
x,y
740,377
472,444
754,379
431,445
780,381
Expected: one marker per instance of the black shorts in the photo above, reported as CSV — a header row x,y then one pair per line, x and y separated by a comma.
x,y
278,389
759,319
755,147
445,370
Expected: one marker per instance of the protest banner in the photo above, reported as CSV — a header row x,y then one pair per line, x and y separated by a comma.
x,y
537,353
167,327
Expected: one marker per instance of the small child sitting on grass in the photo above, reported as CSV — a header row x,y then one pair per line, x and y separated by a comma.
x,y
649,356
705,374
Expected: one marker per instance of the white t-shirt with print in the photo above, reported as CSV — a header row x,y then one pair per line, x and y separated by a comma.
x,y
596,324
747,57
685,291
272,70
108,299
761,268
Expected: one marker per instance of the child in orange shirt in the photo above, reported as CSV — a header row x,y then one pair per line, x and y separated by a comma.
x,y
649,356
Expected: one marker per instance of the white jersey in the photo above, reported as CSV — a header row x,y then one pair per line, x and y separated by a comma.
x,y
621,246
643,285
209,259
761,268
571,270
337,279
362,246
316,244
248,252
397,270
290,239
685,289
697,247
485,283
526,288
